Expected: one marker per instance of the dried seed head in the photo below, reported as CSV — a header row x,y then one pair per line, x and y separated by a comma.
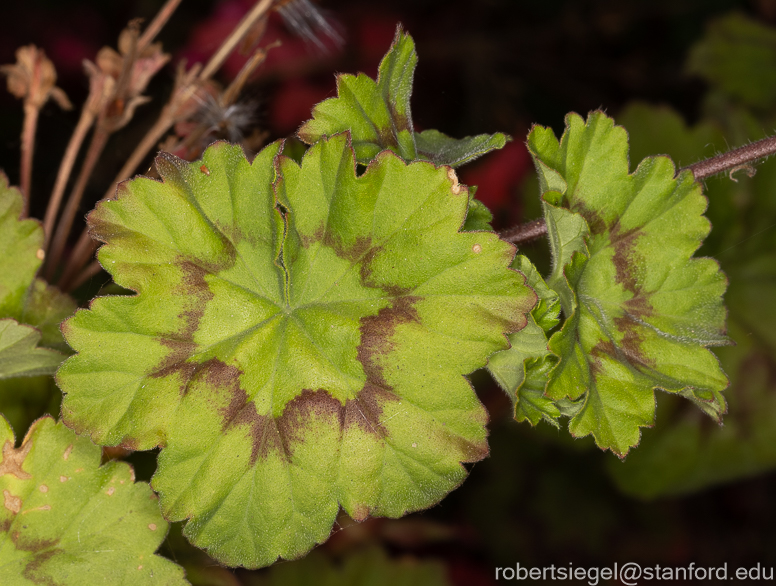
x,y
306,20
33,78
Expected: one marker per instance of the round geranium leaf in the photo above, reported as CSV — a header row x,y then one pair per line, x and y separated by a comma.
x,y
298,342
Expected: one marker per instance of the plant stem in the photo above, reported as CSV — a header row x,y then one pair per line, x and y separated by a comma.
x,y
161,18
523,233
731,161
734,160
94,268
235,37
99,139
85,247
31,112
65,168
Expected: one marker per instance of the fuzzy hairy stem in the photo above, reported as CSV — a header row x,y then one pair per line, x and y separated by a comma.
x,y
740,158
731,161
523,233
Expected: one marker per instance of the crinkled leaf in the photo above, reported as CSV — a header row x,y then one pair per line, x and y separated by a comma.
x,y
67,520
739,56
19,355
640,312
299,341
441,149
369,567
377,113
682,455
22,296
522,369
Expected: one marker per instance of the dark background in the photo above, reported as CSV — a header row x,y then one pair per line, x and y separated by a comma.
x,y
487,66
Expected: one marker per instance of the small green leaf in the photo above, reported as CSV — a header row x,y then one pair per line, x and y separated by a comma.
x,y
377,113
23,297
441,149
522,369
640,312
682,455
66,520
19,355
299,341
21,244
478,216
378,116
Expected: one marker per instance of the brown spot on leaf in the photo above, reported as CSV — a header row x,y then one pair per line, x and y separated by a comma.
x,y
387,138
627,351
300,410
13,460
110,491
626,262
41,508
43,488
31,569
69,449
400,121
360,513
353,252
152,526
11,502
63,479
594,220
376,331
316,237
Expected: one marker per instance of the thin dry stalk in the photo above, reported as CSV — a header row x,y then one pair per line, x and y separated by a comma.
x,y
157,24
226,48
58,243
90,271
171,113
29,127
65,168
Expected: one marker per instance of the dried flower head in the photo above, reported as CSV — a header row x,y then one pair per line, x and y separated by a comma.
x,y
33,78
132,67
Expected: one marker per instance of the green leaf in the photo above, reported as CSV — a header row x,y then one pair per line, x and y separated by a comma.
x,y
377,113
640,312
23,297
378,116
369,567
681,455
478,216
66,520
19,355
738,55
21,244
441,149
522,369
299,341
